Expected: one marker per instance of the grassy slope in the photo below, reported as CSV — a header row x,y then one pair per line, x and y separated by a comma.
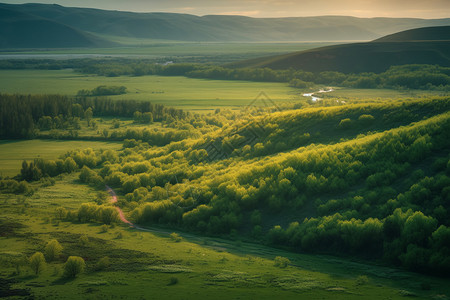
x,y
12,153
143,263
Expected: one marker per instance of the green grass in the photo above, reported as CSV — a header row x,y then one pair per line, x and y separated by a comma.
x,y
182,92
161,49
144,264
12,153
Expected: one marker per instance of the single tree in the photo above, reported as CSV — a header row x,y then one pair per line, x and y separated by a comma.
x,y
74,266
88,114
37,262
52,250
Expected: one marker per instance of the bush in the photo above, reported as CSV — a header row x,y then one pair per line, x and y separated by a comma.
x,y
83,240
103,263
61,213
345,123
173,281
37,262
74,266
52,250
281,262
175,237
104,228
361,280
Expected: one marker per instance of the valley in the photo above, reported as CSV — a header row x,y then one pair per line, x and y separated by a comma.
x,y
223,157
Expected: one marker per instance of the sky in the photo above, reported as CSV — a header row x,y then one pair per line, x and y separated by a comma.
x,y
428,9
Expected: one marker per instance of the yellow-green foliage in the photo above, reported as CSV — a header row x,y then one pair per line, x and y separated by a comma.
x,y
37,262
74,266
52,250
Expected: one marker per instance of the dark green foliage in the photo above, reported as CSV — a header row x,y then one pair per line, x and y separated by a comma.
x,y
21,116
11,186
376,56
103,90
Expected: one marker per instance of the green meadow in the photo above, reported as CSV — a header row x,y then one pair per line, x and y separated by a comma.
x,y
181,51
13,153
177,91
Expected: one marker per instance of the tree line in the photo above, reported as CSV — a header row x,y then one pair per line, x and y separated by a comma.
x,y
427,77
22,115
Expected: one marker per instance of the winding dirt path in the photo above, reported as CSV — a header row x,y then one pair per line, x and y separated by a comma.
x,y
119,210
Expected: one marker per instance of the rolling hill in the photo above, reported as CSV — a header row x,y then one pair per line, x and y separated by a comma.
x,y
183,27
22,30
439,33
418,46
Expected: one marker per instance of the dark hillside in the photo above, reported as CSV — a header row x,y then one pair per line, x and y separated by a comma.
x,y
376,56
439,33
21,30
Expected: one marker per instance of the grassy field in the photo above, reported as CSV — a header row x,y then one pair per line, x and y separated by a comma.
x,y
182,92
12,153
181,51
152,265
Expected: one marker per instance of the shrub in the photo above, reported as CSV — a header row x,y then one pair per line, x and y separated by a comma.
x,y
281,262
173,281
361,280
52,250
74,266
345,123
103,263
175,237
61,213
83,240
37,262
104,228
366,119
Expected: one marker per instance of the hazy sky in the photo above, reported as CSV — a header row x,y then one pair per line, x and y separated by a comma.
x,y
273,8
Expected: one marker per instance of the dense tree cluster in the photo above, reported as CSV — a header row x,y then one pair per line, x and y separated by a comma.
x,y
404,77
103,90
180,186
22,115
370,180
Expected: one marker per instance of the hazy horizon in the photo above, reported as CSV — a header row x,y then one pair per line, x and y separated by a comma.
x,y
272,9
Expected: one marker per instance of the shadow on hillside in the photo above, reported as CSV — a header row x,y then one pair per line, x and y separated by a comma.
x,y
62,281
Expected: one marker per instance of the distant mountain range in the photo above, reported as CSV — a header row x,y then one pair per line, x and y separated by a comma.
x,y
429,45
54,26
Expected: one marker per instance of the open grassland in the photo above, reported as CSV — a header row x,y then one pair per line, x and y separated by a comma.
x,y
201,95
153,265
182,92
12,153
179,51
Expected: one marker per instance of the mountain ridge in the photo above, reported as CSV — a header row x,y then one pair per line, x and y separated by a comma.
x,y
214,28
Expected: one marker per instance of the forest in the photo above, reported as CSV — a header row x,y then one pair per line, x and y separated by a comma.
x,y
21,116
369,180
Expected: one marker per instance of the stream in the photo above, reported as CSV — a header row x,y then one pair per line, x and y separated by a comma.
x,y
315,98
